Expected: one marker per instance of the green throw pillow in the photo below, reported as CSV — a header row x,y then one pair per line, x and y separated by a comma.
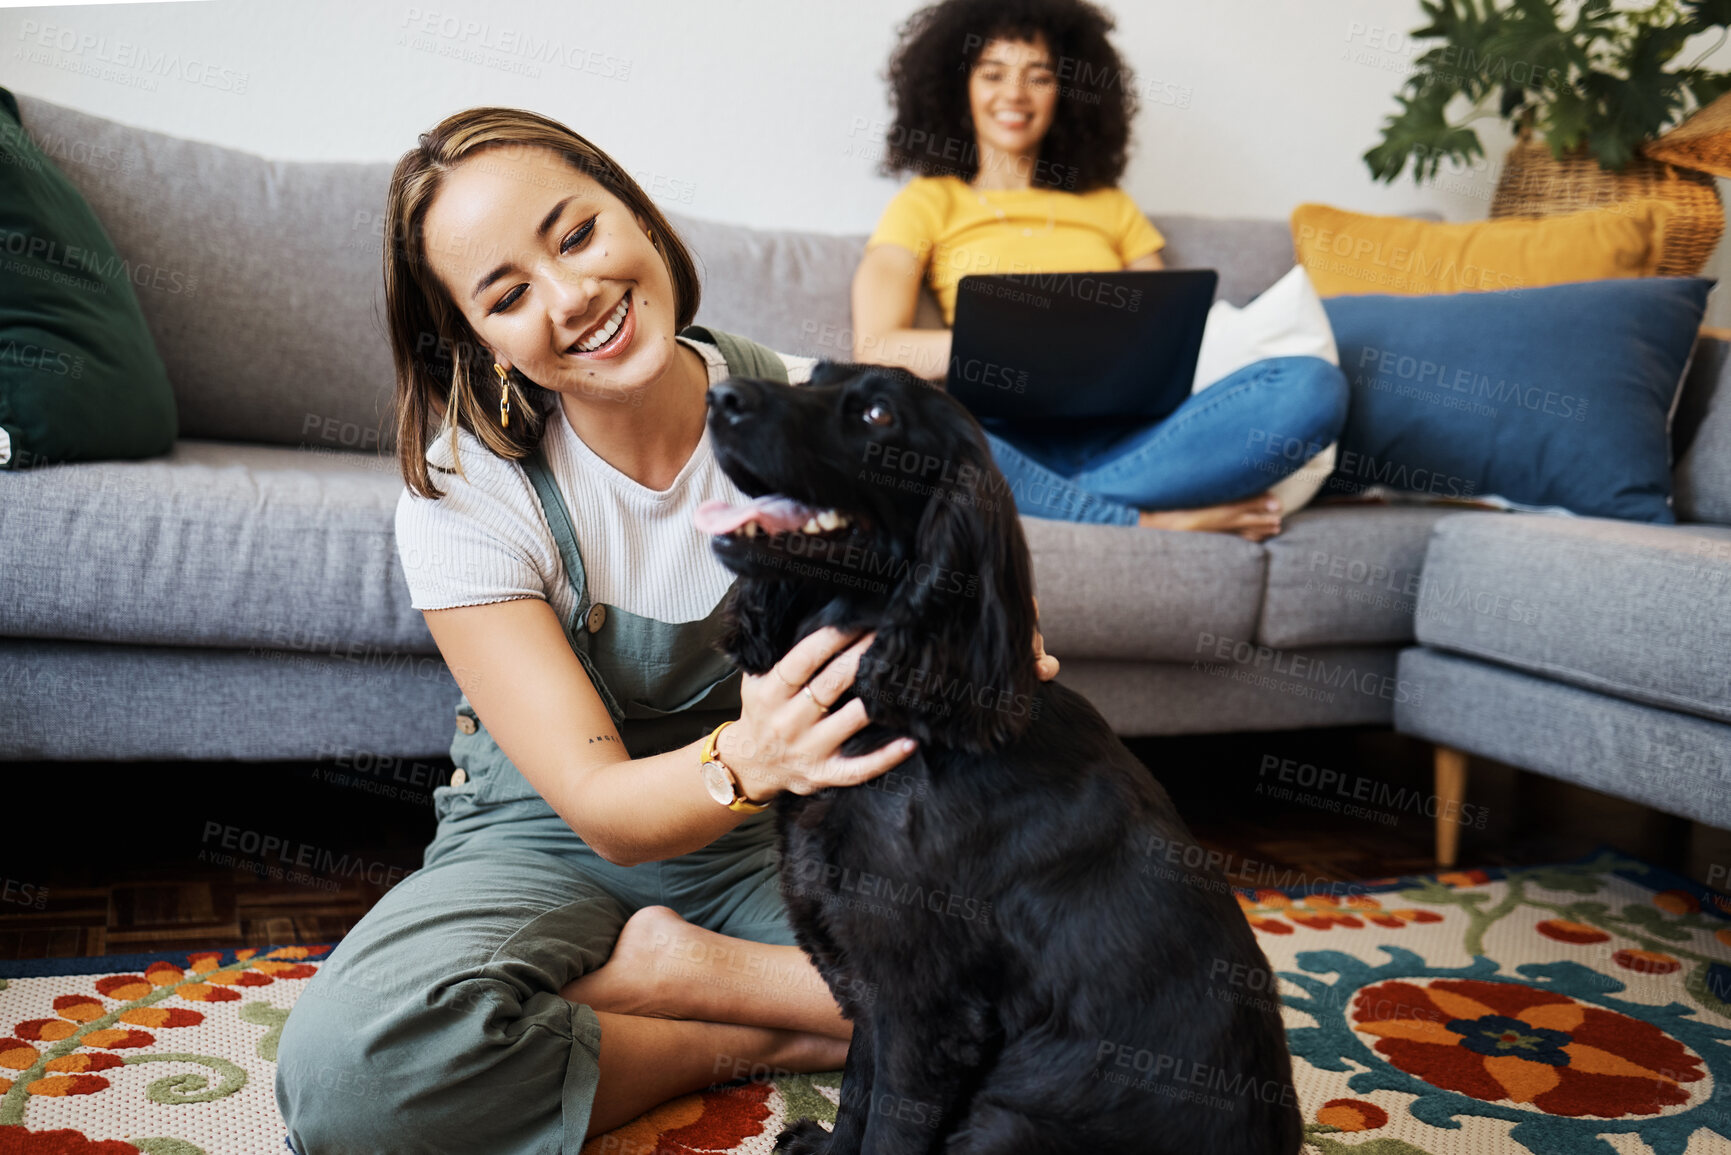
x,y
80,378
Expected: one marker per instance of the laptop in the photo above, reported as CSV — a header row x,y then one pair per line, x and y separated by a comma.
x,y
1077,349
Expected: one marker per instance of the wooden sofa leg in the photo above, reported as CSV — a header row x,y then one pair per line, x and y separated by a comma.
x,y
1451,790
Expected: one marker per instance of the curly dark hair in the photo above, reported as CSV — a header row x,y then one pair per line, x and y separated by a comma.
x,y
933,130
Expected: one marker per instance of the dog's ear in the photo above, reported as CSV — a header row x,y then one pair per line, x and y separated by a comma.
x,y
953,662
759,624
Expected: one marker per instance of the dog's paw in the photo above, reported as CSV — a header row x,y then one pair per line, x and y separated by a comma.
x,y
806,1137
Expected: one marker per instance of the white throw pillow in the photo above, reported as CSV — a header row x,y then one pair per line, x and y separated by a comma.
x,y
1287,320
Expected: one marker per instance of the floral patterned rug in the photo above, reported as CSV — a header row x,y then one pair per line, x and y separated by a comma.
x,y
1581,1009
162,1054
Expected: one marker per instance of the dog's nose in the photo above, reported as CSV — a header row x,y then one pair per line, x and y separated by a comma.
x,y
732,400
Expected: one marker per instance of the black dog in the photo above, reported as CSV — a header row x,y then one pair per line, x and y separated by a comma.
x,y
1006,918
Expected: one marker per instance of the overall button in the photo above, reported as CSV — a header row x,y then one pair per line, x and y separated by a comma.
x,y
466,724
597,617
459,776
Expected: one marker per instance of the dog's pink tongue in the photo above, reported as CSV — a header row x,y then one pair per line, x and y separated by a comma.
x,y
772,512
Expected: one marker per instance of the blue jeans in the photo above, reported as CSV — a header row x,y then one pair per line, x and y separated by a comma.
x,y
1231,441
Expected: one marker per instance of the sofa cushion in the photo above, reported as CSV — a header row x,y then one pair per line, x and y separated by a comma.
x,y
1674,762
283,250
216,544
1160,595
242,546
1250,255
788,290
1346,575
793,290
1634,611
1221,694
78,701
285,253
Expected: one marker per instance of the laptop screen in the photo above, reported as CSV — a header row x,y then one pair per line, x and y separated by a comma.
x,y
1078,345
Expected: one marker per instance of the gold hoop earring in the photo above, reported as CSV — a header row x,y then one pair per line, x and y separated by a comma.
x,y
504,395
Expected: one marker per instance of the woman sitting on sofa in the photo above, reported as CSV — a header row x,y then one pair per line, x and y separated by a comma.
x,y
1017,113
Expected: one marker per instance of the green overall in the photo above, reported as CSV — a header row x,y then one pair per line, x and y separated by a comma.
x,y
437,1025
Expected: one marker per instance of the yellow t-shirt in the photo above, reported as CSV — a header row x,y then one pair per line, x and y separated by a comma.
x,y
956,230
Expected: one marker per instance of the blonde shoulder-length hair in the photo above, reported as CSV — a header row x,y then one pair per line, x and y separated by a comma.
x,y
444,376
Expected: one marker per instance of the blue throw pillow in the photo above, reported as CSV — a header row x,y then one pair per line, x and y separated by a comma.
x,y
1552,396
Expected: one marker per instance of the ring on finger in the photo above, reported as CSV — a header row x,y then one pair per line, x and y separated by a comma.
x,y
806,690
776,670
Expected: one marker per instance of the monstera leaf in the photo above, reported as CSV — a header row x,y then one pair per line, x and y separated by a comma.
x,y
1605,78
1421,131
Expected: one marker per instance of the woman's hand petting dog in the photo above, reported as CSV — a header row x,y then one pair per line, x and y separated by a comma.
x,y
787,738
782,743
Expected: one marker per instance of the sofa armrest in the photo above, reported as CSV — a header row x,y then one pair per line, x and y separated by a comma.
x,y
1701,434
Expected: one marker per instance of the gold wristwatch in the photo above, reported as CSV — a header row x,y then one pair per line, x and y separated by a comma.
x,y
720,781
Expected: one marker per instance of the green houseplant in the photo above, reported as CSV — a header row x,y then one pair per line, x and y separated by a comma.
x,y
1584,76
1586,87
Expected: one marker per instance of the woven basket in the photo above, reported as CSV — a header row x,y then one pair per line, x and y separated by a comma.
x,y
1536,184
1703,141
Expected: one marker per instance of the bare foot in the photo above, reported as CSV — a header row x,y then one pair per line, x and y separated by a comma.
x,y
1254,519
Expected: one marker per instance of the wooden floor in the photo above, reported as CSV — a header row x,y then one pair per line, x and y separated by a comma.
x,y
114,858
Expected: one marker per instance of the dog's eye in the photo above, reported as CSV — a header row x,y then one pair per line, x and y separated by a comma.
x,y
877,413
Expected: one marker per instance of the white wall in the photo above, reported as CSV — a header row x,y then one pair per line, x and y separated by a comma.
x,y
763,112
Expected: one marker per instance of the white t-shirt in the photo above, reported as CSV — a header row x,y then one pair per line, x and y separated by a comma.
x,y
487,539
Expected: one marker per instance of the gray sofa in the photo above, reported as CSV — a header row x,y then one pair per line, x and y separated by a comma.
x,y
242,598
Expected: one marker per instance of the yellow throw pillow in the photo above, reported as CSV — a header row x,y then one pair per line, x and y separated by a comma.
x,y
1348,254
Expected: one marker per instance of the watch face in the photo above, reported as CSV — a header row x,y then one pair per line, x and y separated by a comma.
x,y
718,782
